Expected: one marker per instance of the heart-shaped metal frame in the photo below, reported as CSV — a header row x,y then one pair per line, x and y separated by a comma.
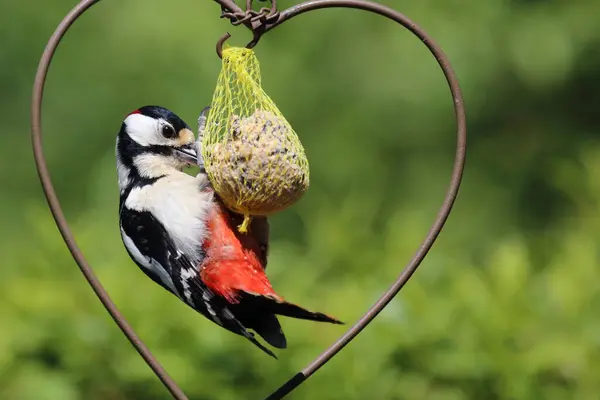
x,y
269,21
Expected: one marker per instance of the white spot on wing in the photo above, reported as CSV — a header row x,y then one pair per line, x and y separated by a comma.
x,y
190,274
212,313
187,274
146,130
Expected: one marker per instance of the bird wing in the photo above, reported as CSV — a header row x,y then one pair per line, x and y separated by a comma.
x,y
150,245
260,232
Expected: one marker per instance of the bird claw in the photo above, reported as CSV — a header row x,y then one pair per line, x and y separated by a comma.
x,y
201,127
199,158
202,121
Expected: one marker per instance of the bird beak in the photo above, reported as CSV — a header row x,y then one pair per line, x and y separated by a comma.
x,y
187,154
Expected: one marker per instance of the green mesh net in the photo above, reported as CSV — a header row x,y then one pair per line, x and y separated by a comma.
x,y
252,156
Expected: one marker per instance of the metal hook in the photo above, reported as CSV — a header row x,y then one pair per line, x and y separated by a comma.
x,y
220,43
257,35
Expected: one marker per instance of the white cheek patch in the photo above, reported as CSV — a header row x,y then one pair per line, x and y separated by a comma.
x,y
142,129
146,131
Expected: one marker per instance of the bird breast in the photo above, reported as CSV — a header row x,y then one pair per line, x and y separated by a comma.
x,y
181,204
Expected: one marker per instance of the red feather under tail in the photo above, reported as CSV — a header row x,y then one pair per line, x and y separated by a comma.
x,y
228,278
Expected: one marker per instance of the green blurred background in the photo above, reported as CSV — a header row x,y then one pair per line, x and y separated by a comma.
x,y
504,307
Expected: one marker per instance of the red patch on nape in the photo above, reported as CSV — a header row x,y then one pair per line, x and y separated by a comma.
x,y
134,112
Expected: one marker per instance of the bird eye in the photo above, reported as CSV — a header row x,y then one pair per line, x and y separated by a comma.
x,y
168,131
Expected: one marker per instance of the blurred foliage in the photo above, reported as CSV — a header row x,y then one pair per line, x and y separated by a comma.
x,y
505,306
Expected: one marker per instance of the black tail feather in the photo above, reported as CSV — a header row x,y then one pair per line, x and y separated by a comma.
x,y
259,313
294,311
267,326
260,346
261,321
280,307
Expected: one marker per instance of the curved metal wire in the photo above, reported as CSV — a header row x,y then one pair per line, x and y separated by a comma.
x,y
231,10
59,217
451,193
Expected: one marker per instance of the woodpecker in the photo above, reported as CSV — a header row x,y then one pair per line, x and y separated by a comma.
x,y
181,235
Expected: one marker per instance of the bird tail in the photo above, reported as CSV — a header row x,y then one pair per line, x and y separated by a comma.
x,y
259,313
252,339
279,306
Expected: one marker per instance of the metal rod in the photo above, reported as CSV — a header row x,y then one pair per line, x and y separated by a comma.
x,y
230,5
59,217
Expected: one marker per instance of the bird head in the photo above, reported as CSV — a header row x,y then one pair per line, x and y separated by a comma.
x,y
153,142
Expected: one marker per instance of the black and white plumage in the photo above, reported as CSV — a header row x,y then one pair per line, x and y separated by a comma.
x,y
178,232
163,210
